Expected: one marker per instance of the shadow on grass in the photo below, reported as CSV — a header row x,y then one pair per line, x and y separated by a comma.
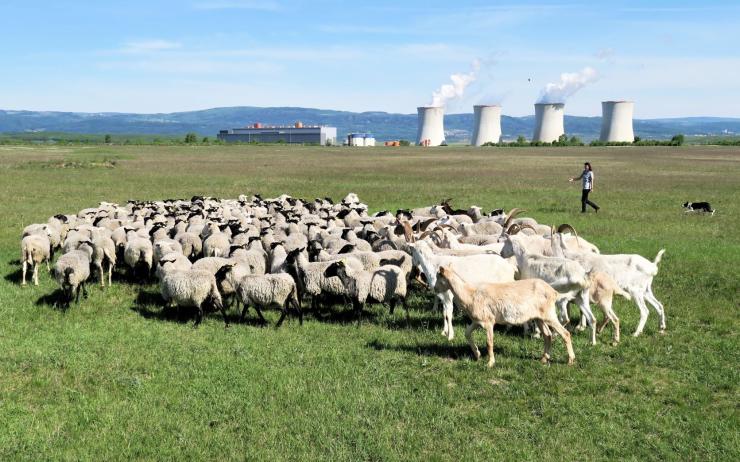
x,y
440,350
150,305
16,276
54,300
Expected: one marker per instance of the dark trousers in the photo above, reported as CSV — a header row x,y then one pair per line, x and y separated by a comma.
x,y
584,201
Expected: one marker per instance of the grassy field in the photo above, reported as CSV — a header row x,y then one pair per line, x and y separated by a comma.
x,y
119,378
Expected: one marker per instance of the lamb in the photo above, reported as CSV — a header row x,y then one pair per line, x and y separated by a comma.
x,y
194,289
474,268
264,290
510,303
386,284
35,250
72,271
104,254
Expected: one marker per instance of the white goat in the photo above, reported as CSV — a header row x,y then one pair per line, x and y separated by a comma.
x,y
475,269
633,273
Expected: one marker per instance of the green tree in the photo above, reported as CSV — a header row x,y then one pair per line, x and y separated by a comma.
x,y
677,140
205,140
521,140
107,139
191,138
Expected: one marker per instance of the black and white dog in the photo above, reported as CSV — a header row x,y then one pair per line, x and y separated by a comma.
x,y
698,207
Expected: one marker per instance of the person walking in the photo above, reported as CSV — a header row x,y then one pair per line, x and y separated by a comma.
x,y
588,185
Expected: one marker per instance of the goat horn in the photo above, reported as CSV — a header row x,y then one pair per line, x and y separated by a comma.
x,y
512,214
566,226
516,228
513,229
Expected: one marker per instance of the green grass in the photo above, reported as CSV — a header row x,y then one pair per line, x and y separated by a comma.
x,y
118,378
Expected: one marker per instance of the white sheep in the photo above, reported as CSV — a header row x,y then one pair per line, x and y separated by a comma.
x,y
138,255
104,255
72,271
192,289
35,250
511,303
263,291
386,284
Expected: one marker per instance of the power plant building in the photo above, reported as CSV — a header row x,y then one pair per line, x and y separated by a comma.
x,y
616,121
486,125
360,139
431,130
549,122
296,134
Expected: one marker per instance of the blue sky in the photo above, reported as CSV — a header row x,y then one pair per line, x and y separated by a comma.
x,y
674,58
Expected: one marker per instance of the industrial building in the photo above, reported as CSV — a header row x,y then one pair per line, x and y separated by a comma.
x,y
431,130
486,125
360,139
616,121
296,134
549,122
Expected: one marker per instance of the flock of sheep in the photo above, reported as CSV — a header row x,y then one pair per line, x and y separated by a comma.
x,y
208,253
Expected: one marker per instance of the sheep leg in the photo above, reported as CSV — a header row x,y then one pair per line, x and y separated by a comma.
x,y
25,264
244,313
489,344
547,336
110,273
77,292
469,336
358,309
36,274
198,317
392,305
643,313
263,321
557,327
284,312
653,300
102,275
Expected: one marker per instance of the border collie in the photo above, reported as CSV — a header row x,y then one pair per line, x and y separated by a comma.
x,y
698,207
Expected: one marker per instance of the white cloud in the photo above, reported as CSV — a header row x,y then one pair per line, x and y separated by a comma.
x,y
148,46
259,5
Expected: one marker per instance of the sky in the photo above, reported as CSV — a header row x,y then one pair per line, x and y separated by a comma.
x,y
673,58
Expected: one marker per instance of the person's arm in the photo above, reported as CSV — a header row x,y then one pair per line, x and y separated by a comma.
x,y
578,178
593,181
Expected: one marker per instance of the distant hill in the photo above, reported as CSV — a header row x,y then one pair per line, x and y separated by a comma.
x,y
382,124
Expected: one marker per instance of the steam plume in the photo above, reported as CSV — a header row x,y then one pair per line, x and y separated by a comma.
x,y
568,85
453,90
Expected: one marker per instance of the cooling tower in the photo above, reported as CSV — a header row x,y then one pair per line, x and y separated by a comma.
x,y
548,122
616,121
487,125
431,126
